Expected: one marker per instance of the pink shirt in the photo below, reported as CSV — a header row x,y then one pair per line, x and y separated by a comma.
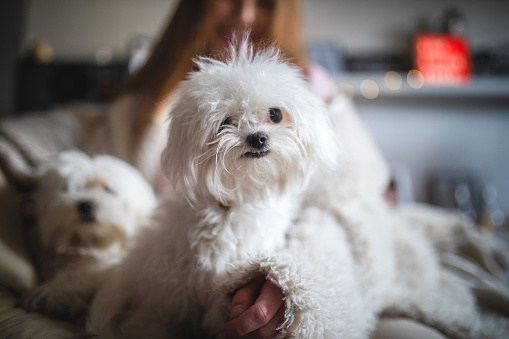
x,y
321,82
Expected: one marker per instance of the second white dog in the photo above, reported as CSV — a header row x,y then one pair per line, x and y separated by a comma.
x,y
244,136
86,211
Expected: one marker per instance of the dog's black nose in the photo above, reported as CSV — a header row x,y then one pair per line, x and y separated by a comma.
x,y
257,140
86,210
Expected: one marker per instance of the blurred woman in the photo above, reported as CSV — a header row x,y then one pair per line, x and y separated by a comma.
x,y
206,27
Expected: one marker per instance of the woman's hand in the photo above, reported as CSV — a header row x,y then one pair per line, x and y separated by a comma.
x,y
257,310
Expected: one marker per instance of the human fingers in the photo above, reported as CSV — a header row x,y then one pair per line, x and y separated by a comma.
x,y
270,329
245,297
258,315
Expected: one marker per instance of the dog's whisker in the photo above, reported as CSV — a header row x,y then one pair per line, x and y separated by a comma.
x,y
202,158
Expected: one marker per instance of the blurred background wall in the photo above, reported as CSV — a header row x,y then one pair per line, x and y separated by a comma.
x,y
358,25
385,26
430,135
80,27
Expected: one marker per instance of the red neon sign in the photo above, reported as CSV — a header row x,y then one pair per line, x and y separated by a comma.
x,y
442,59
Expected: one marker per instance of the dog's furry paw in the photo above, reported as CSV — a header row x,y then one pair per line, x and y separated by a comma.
x,y
56,302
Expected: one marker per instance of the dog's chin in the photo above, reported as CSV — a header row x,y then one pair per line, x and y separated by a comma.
x,y
256,154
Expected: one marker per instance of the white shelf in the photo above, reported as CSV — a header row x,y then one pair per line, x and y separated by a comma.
x,y
479,87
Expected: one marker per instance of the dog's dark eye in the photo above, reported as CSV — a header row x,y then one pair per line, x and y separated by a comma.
x,y
109,190
275,115
226,122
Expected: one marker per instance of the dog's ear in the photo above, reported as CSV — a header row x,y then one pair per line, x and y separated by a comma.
x,y
326,139
318,131
178,159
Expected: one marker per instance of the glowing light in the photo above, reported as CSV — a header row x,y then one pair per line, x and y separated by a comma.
x,y
393,80
443,59
415,79
369,89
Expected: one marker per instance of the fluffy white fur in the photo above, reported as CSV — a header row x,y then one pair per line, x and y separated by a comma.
x,y
86,211
237,202
340,254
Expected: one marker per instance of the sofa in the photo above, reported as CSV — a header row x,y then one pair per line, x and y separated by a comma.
x,y
28,141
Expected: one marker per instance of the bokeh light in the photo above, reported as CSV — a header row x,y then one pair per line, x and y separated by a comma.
x,y
369,89
393,80
415,79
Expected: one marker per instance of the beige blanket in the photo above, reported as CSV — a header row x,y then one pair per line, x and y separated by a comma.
x,y
26,142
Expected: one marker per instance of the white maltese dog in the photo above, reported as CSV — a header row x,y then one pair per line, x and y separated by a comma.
x,y
244,136
85,211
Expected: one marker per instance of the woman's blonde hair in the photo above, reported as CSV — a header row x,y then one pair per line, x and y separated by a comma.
x,y
172,57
